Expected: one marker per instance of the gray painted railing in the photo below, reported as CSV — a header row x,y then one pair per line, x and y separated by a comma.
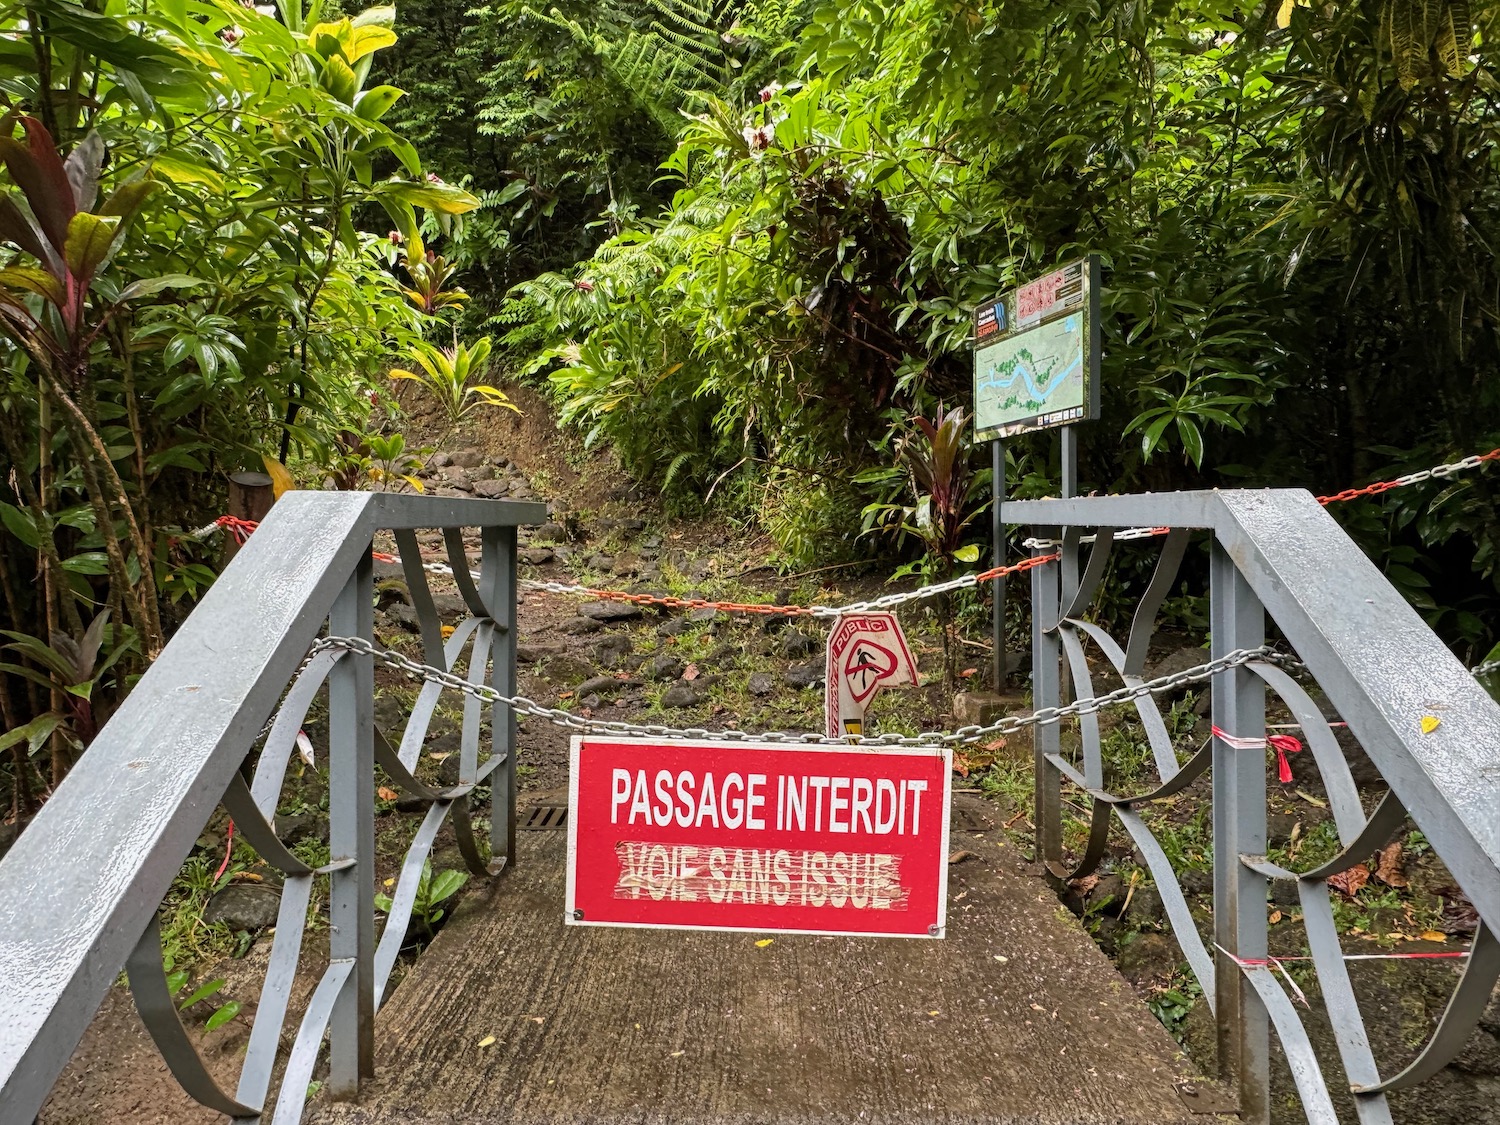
x,y
1277,554
80,889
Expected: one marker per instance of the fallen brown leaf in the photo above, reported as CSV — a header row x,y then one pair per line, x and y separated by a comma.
x,y
1086,884
1349,882
690,672
1434,935
1391,868
959,857
385,793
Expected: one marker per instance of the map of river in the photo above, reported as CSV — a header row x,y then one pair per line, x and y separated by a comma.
x,y
1032,373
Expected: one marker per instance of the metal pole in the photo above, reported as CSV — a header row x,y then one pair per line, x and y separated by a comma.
x,y
351,815
1046,665
498,589
1069,462
997,558
1068,566
1239,816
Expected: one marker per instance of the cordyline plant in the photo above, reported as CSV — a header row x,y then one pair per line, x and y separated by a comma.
x,y
446,372
936,458
51,311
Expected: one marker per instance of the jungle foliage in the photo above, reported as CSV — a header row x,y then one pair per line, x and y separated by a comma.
x,y
186,291
1296,205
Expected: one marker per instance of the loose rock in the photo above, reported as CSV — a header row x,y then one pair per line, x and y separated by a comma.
x,y
797,644
604,685
760,683
568,670
491,489
805,675
244,906
680,694
663,667
576,625
530,654
536,556
613,648
610,611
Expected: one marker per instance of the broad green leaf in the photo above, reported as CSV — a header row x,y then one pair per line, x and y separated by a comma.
x,y
203,992
373,103
443,198
222,1016
33,733
34,280
182,170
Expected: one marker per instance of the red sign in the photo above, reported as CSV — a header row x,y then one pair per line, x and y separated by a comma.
x,y
760,837
866,652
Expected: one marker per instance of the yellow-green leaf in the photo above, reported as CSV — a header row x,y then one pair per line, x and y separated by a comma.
x,y
374,103
181,171
281,479
34,280
90,238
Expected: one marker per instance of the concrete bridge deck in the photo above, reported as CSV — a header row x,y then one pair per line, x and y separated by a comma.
x,y
1015,1017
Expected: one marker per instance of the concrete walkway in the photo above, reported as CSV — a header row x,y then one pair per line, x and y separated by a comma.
x,y
1015,1017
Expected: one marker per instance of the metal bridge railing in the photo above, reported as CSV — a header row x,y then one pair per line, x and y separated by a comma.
x,y
1420,717
80,889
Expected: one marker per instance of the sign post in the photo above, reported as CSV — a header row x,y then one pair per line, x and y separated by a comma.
x,y
769,838
1036,367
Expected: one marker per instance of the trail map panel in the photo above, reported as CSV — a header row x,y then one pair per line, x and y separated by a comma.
x,y
767,838
1036,354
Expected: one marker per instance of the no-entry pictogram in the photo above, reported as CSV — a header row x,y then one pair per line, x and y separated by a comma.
x,y
761,837
866,652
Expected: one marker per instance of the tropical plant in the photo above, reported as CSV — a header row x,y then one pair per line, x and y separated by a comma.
x,y
945,499
432,891
72,668
183,290
446,373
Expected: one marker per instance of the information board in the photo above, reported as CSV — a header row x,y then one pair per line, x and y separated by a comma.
x,y
761,837
1036,354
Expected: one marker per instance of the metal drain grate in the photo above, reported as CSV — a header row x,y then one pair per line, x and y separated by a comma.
x,y
541,818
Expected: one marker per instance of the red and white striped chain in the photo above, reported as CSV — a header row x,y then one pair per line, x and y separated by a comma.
x,y
1437,472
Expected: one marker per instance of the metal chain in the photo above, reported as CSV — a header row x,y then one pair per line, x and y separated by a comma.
x,y
873,605
1437,472
1009,725
1486,668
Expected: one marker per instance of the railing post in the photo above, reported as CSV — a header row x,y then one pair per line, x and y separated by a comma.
x,y
1046,691
1239,813
351,815
498,589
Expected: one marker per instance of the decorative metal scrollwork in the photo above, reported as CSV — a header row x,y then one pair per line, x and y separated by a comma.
x,y
1063,636
480,643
